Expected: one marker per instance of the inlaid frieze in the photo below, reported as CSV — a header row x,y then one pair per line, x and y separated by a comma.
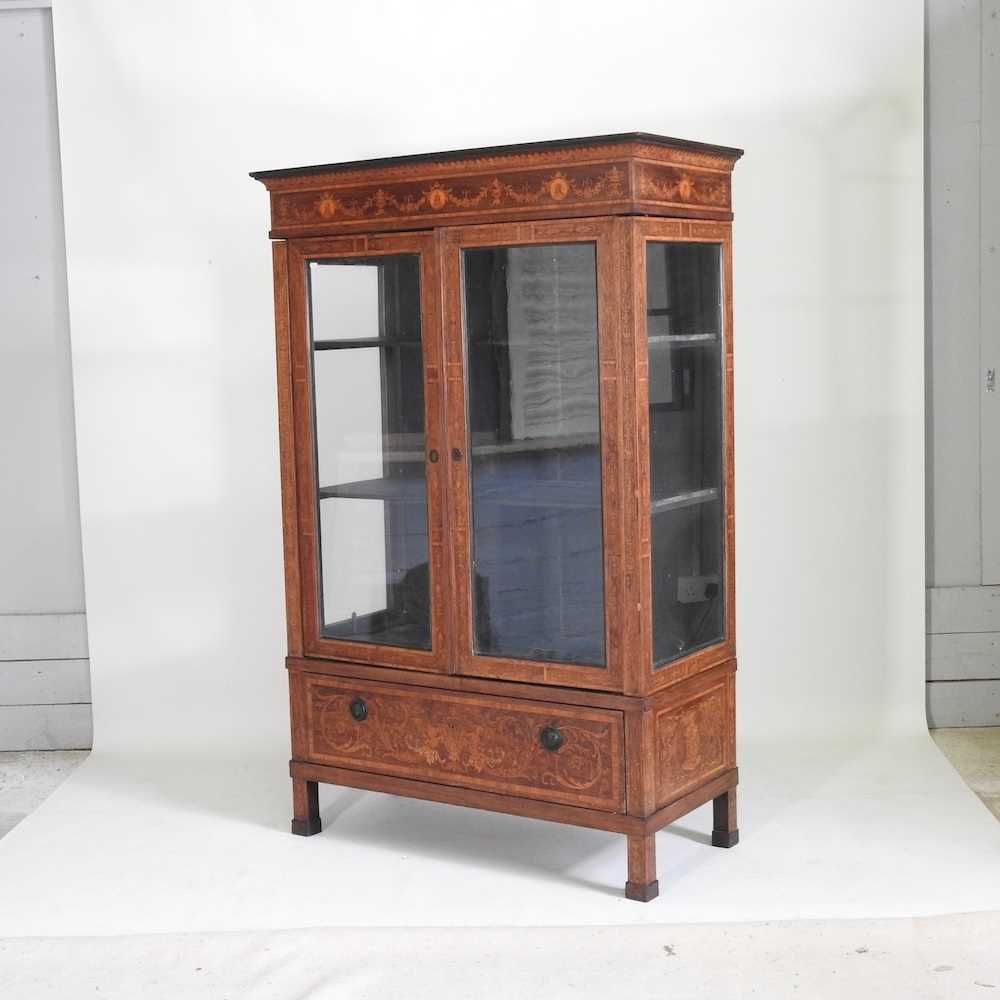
x,y
593,184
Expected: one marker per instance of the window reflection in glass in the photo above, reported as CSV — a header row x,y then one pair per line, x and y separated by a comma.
x,y
369,407
535,463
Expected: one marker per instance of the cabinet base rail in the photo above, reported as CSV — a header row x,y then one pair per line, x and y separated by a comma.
x,y
642,884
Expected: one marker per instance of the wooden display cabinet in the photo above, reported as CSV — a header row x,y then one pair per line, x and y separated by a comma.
x,y
505,397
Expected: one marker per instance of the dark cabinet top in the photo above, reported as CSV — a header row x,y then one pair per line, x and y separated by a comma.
x,y
508,149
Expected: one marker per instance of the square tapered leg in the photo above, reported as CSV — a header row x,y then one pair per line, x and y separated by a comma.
x,y
642,885
725,832
305,804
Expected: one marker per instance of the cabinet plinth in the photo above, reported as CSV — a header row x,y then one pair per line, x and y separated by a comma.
x,y
505,411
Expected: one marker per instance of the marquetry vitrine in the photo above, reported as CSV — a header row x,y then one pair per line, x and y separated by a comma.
x,y
505,394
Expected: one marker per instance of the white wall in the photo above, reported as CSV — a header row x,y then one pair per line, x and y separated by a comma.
x,y
44,677
39,516
963,342
164,108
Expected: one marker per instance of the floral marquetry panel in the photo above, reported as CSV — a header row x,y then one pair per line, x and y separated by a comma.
x,y
477,742
694,741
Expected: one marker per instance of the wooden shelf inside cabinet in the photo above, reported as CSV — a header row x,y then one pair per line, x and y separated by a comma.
x,y
401,489
348,343
413,489
683,339
687,499
378,628
508,514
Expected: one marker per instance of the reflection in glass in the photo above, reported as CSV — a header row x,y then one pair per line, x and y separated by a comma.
x,y
535,466
369,405
684,324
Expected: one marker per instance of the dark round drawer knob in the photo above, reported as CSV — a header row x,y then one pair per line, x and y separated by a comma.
x,y
551,738
358,710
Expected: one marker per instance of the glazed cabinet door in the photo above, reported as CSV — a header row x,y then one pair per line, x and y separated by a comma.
x,y
366,385
532,354
685,346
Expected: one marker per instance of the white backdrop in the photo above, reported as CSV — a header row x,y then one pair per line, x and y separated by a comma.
x,y
178,819
164,109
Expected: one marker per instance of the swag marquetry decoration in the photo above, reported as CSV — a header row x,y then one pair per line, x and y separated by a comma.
x,y
683,187
609,182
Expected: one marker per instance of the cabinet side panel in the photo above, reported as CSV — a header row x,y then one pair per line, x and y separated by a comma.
x,y
694,738
729,446
286,433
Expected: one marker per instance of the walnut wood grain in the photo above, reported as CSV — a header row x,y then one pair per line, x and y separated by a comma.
x,y
673,811
512,804
661,230
725,831
286,439
452,794
642,885
642,747
692,740
468,662
476,741
613,175
305,803
314,643
458,682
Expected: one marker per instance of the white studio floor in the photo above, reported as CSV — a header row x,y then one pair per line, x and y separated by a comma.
x,y
167,845
916,959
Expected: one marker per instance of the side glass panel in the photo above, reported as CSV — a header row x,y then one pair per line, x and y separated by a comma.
x,y
535,462
369,406
684,325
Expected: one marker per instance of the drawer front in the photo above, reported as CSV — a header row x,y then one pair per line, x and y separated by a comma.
x,y
473,741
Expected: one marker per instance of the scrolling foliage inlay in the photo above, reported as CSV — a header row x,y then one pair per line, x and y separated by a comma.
x,y
440,736
692,743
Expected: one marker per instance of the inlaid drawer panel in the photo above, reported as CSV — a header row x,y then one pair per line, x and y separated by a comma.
x,y
476,741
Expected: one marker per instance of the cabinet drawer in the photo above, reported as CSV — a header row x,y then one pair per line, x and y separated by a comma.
x,y
468,740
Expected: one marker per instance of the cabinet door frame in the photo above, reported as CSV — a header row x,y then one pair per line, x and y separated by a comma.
x,y
300,252
603,234
681,231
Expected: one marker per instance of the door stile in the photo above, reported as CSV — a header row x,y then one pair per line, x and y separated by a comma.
x,y
635,526
286,438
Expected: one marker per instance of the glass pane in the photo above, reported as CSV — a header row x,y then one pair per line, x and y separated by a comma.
x,y
369,404
535,465
684,324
